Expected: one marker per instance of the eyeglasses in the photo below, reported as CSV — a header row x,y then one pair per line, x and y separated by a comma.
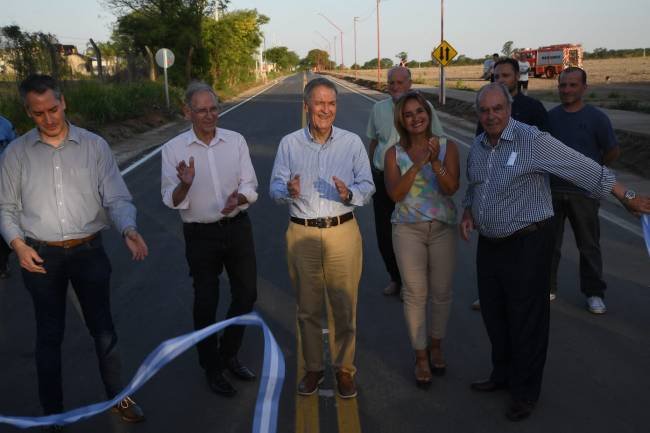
x,y
205,111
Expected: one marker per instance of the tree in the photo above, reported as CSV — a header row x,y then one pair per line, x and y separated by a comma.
x,y
507,49
230,46
317,59
402,56
173,24
282,57
386,63
31,53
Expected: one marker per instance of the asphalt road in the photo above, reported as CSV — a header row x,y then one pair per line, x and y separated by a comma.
x,y
597,376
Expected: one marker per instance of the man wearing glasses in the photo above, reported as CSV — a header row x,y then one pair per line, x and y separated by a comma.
x,y
208,176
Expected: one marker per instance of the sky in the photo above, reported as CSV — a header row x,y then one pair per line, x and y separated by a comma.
x,y
473,27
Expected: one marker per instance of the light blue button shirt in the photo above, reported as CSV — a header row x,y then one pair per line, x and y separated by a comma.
x,y
343,156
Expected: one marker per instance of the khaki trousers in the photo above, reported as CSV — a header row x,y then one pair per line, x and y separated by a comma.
x,y
326,262
426,256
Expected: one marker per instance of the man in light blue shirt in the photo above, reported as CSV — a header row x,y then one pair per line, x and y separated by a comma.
x,y
323,173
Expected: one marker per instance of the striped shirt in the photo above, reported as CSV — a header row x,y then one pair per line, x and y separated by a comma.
x,y
343,156
508,186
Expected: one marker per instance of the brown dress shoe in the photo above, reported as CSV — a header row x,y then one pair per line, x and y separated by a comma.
x,y
309,384
129,410
345,385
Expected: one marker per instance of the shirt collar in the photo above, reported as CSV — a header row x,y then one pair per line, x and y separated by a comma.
x,y
192,138
508,134
310,137
33,137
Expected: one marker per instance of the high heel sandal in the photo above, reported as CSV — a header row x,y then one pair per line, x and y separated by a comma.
x,y
423,377
437,368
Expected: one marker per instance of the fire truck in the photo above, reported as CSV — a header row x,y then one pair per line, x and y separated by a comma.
x,y
553,59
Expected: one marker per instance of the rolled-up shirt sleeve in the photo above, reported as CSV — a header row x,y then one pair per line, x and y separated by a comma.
x,y
113,191
281,174
362,186
10,204
248,180
554,157
169,180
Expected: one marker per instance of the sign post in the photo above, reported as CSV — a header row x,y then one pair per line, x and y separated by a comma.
x,y
444,54
165,59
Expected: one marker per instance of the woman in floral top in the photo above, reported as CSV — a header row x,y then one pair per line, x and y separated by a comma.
x,y
421,174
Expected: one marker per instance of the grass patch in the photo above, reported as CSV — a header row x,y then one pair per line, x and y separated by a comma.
x,y
91,104
613,95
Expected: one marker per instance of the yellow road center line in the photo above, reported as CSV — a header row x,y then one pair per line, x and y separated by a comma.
x,y
307,418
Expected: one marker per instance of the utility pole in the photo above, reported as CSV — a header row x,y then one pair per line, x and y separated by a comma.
x,y
355,19
442,68
340,32
378,51
334,51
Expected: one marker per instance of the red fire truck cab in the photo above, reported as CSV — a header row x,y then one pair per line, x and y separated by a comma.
x,y
553,59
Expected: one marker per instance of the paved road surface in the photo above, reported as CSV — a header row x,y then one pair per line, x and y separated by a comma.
x,y
596,380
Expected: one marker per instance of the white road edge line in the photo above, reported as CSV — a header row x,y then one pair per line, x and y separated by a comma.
x,y
157,150
608,216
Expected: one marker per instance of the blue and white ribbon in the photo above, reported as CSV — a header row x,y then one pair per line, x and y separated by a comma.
x,y
268,397
645,225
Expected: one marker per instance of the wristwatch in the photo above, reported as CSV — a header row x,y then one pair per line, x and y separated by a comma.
x,y
350,195
629,195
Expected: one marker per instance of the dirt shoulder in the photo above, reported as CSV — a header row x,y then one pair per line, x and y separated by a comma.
x,y
635,147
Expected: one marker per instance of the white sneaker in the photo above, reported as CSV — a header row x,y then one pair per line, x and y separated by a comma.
x,y
476,305
391,289
552,296
596,305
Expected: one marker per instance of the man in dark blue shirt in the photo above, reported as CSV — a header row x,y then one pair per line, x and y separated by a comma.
x,y
7,135
588,130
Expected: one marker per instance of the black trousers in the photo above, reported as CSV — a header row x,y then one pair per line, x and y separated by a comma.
x,y
5,250
208,249
383,207
513,283
582,213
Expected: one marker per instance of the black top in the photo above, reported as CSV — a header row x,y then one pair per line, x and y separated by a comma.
x,y
526,110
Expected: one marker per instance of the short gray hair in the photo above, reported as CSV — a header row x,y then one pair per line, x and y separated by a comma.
x,y
198,86
316,82
394,69
492,86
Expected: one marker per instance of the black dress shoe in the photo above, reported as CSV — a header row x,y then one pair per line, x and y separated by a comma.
x,y
487,386
219,384
520,410
240,371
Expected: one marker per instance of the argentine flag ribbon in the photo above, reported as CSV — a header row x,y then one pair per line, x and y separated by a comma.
x,y
645,225
268,397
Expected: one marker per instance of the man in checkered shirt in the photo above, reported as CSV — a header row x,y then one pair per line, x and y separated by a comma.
x,y
508,201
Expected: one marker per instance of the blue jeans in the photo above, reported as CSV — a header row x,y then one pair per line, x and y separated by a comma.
x,y
88,269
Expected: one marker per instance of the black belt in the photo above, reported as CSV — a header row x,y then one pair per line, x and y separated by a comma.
x,y
523,231
324,223
222,222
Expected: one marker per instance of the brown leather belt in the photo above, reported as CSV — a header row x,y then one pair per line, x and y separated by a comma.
x,y
70,243
324,223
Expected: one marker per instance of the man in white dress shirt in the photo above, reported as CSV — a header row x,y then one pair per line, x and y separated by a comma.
x,y
208,176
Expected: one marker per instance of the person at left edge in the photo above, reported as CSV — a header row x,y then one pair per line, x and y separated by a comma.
x,y
208,176
323,173
60,184
7,135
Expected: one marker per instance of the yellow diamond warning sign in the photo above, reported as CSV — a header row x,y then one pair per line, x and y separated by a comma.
x,y
444,53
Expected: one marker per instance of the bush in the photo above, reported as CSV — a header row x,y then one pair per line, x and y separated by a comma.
x,y
92,103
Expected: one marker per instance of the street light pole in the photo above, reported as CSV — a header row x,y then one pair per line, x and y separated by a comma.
x,y
340,32
355,19
378,51
334,51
